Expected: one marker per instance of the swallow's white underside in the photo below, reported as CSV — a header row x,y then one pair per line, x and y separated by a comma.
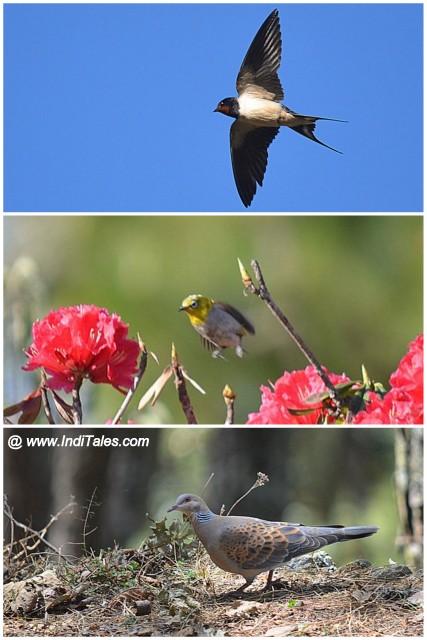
x,y
259,111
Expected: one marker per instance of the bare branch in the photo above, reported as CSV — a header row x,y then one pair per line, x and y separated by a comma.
x,y
32,533
263,293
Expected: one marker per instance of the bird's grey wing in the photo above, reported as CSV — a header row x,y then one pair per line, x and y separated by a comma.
x,y
249,156
258,73
236,315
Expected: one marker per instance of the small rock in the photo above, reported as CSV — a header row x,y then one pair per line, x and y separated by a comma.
x,y
392,572
143,607
240,608
282,630
316,560
361,596
357,564
417,598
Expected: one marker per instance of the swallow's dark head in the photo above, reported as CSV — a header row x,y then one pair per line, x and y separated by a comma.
x,y
229,107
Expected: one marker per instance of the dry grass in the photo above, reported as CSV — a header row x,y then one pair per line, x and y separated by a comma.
x,y
148,592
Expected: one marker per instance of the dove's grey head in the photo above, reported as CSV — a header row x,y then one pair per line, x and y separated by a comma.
x,y
189,503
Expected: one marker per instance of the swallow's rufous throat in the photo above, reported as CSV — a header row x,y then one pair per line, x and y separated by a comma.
x,y
258,111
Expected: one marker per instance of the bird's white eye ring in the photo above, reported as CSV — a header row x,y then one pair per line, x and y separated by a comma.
x,y
194,304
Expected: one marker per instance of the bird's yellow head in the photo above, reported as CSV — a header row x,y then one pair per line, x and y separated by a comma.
x,y
197,308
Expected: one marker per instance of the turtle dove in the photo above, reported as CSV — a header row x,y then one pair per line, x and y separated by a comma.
x,y
250,546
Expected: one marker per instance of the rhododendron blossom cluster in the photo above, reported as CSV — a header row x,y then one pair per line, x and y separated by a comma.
x,y
290,392
84,341
403,404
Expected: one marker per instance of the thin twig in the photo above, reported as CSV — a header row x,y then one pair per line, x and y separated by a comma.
x,y
207,483
135,383
87,533
259,482
12,529
263,293
39,535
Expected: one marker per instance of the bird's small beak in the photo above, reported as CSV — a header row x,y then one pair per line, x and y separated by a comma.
x,y
172,508
181,309
215,110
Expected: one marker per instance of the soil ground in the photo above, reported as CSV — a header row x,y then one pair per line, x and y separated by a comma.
x,y
149,592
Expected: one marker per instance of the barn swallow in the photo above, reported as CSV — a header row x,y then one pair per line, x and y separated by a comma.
x,y
258,111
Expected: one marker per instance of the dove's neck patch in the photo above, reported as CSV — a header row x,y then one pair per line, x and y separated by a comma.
x,y
202,516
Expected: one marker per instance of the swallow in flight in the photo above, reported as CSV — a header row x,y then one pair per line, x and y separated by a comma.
x,y
258,111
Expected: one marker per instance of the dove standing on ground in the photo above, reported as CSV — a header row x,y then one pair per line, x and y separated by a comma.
x,y
258,111
249,546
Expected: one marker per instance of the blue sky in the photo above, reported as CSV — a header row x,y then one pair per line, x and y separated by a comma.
x,y
110,107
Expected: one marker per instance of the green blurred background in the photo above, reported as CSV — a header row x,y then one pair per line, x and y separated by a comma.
x,y
351,285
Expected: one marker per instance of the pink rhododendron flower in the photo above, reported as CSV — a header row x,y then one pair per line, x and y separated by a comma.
x,y
291,391
403,404
73,343
410,372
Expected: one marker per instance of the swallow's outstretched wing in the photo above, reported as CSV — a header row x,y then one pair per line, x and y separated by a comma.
x,y
249,156
258,73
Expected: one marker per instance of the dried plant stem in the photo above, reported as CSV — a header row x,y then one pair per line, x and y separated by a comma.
x,y
181,387
45,399
77,405
259,482
32,533
263,293
136,381
89,513
207,483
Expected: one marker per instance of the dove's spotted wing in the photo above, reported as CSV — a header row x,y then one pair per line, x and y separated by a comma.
x,y
255,544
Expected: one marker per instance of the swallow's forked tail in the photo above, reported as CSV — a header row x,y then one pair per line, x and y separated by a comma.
x,y
308,127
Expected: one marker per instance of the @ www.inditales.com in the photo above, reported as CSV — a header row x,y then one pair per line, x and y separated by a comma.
x,y
16,441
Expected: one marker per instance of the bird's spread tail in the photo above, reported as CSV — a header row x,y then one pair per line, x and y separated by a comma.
x,y
307,128
307,131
